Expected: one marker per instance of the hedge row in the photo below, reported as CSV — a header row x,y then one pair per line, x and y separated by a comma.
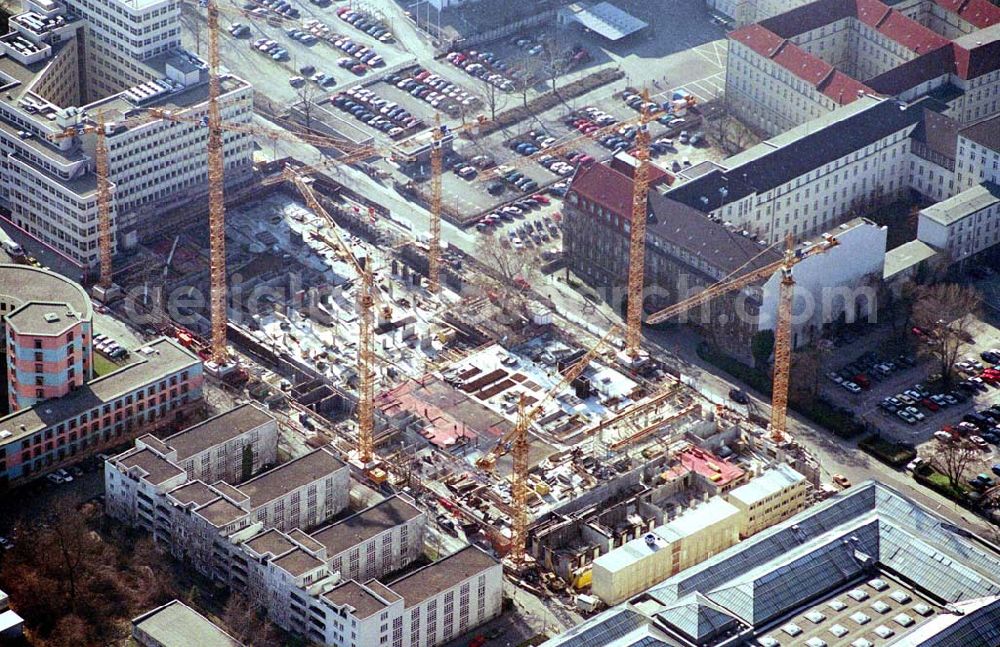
x,y
892,454
929,477
815,410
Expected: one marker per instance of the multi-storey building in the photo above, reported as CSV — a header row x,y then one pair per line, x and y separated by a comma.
x,y
772,497
978,158
216,449
46,345
120,35
949,18
723,220
156,390
797,65
376,541
64,67
237,535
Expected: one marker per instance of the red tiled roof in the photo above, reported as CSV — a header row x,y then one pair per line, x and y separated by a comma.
x,y
824,77
980,13
842,88
897,27
612,189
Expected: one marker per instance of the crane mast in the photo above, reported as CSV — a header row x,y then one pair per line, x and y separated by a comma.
x,y
103,202
366,365
434,246
637,236
216,199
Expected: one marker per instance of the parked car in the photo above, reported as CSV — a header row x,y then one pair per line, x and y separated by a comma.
x,y
738,396
842,481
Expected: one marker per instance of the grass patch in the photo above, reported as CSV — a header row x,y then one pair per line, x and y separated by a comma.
x,y
103,365
893,454
929,477
818,411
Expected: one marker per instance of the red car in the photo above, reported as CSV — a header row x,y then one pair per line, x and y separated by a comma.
x,y
929,404
540,199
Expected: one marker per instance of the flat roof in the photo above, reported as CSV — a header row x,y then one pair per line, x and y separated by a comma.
x,y
298,562
38,318
158,469
271,541
217,430
770,482
356,596
20,284
717,470
166,357
442,575
605,19
290,476
972,200
363,525
194,492
177,625
906,256
221,512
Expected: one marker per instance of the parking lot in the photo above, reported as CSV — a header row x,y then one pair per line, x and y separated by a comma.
x,y
271,77
928,405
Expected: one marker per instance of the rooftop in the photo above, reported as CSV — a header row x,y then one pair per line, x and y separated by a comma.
x,y
194,492
156,470
715,469
298,562
906,256
986,133
177,625
221,512
443,574
771,481
825,552
20,284
271,541
358,597
366,524
972,200
165,357
605,19
39,318
275,483
217,430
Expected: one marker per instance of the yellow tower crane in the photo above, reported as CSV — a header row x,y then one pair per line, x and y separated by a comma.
x,y
782,324
637,236
519,444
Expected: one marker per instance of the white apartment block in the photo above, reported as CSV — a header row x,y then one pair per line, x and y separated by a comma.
x,y
792,67
963,225
777,494
47,179
814,177
321,585
213,450
978,157
374,542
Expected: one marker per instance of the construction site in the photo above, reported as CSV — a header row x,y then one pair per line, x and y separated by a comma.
x,y
543,441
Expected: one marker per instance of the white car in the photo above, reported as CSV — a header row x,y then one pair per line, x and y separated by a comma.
x,y
917,462
851,386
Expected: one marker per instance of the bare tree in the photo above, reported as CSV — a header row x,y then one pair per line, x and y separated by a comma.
x,y
953,458
510,270
728,132
246,623
946,312
495,98
307,96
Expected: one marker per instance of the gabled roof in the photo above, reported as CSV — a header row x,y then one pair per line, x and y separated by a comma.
x,y
980,13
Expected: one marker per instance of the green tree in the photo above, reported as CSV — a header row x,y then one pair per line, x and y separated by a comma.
x,y
247,462
761,347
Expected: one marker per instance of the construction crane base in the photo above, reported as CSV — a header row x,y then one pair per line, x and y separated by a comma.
x,y
106,295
